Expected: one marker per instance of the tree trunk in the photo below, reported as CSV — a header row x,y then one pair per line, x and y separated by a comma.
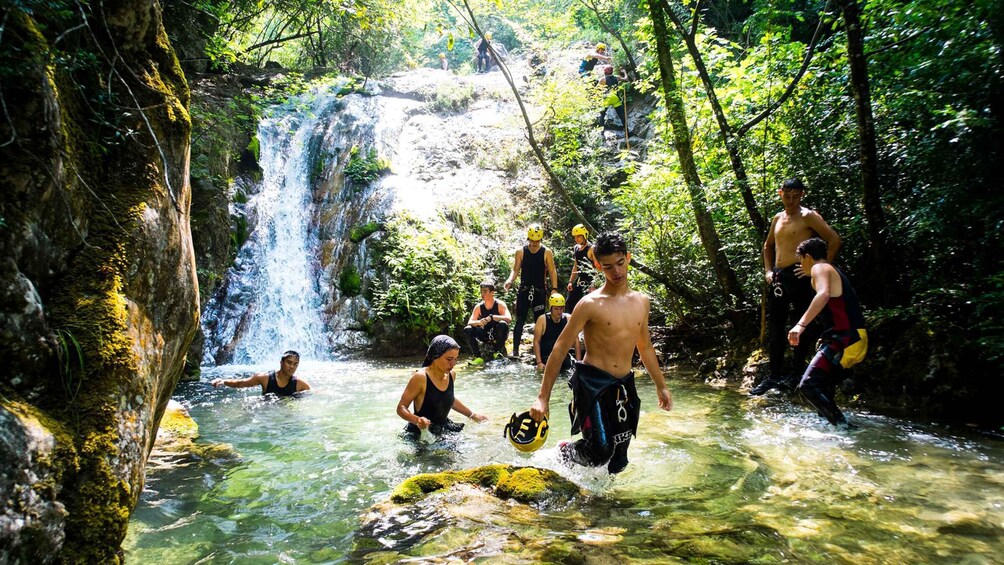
x,y
726,276
871,190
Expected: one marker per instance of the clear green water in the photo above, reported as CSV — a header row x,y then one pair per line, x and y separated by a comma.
x,y
721,479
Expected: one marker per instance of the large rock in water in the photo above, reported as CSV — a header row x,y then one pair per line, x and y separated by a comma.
x,y
98,300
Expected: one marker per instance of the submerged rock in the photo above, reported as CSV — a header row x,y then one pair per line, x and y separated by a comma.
x,y
176,445
523,484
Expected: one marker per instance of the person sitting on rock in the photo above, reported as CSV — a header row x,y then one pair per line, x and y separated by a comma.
x,y
489,322
484,55
280,383
430,390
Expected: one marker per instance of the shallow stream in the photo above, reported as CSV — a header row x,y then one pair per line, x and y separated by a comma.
x,y
723,478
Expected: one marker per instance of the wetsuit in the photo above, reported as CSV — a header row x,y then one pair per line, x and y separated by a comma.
x,y
552,330
484,56
842,318
273,386
583,278
531,291
605,409
587,65
436,406
612,100
492,332
788,298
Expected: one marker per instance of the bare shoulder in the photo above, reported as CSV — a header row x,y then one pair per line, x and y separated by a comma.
x,y
417,377
259,377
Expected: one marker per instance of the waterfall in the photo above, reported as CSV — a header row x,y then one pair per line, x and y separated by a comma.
x,y
272,299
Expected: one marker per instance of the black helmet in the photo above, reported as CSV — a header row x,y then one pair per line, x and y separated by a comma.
x,y
524,433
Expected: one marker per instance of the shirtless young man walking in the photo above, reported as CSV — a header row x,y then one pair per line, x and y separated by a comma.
x,y
605,404
790,290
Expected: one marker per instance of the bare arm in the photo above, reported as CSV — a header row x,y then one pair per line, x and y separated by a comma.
x,y
549,260
826,233
517,262
538,333
301,385
504,315
415,388
260,379
473,320
651,363
821,281
541,407
768,252
575,272
467,412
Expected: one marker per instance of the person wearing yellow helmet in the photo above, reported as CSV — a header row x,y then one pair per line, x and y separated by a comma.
x,y
597,54
580,282
546,332
605,405
534,265
443,63
484,55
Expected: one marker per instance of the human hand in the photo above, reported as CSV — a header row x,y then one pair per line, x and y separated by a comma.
x,y
217,383
507,286
540,367
539,410
795,333
478,417
423,423
769,275
569,287
665,398
800,273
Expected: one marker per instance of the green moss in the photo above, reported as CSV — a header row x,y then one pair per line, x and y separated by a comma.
x,y
524,484
360,233
349,281
365,168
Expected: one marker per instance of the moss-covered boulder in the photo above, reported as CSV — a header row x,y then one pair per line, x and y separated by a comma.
x,y
523,484
98,299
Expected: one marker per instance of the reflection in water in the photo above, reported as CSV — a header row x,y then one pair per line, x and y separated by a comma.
x,y
722,478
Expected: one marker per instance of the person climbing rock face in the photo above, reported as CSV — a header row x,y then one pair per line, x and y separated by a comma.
x,y
595,55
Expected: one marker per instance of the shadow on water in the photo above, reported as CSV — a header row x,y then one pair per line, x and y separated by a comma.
x,y
723,478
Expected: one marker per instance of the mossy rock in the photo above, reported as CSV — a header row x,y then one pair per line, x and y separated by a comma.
x,y
523,484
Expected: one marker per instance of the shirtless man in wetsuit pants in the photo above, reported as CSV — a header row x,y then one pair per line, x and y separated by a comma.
x,y
790,290
605,405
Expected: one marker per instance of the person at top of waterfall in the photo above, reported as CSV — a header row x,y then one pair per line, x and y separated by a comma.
x,y
605,404
844,341
283,382
533,264
443,63
612,83
790,290
546,332
430,391
580,282
597,54
489,322
484,55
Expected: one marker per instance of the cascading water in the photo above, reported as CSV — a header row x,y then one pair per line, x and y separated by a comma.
x,y
273,300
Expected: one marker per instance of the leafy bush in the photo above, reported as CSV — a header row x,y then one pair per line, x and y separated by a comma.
x,y
360,233
364,168
349,281
452,97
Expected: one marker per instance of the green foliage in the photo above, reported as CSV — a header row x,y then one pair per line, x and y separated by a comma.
x,y
452,97
426,275
349,281
365,168
71,363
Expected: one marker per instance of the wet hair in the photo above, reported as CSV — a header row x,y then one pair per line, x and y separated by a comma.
x,y
608,243
290,353
793,184
813,247
439,346
489,284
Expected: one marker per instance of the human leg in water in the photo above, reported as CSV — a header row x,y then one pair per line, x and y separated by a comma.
x,y
818,387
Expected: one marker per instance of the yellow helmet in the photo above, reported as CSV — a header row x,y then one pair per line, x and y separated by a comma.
x,y
580,229
535,232
602,46
488,35
442,55
556,301
524,433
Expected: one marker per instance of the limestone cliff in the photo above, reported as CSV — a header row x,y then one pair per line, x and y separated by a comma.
x,y
98,298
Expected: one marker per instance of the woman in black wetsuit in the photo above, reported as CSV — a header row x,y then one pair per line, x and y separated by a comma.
x,y
431,391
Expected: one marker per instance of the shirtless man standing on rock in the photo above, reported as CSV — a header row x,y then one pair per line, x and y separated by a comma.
x,y
790,289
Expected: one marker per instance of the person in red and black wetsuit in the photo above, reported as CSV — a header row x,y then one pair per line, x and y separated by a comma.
x,y
837,305
280,383
431,391
533,264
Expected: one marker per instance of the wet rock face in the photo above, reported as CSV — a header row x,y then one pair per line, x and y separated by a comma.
x,y
98,300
